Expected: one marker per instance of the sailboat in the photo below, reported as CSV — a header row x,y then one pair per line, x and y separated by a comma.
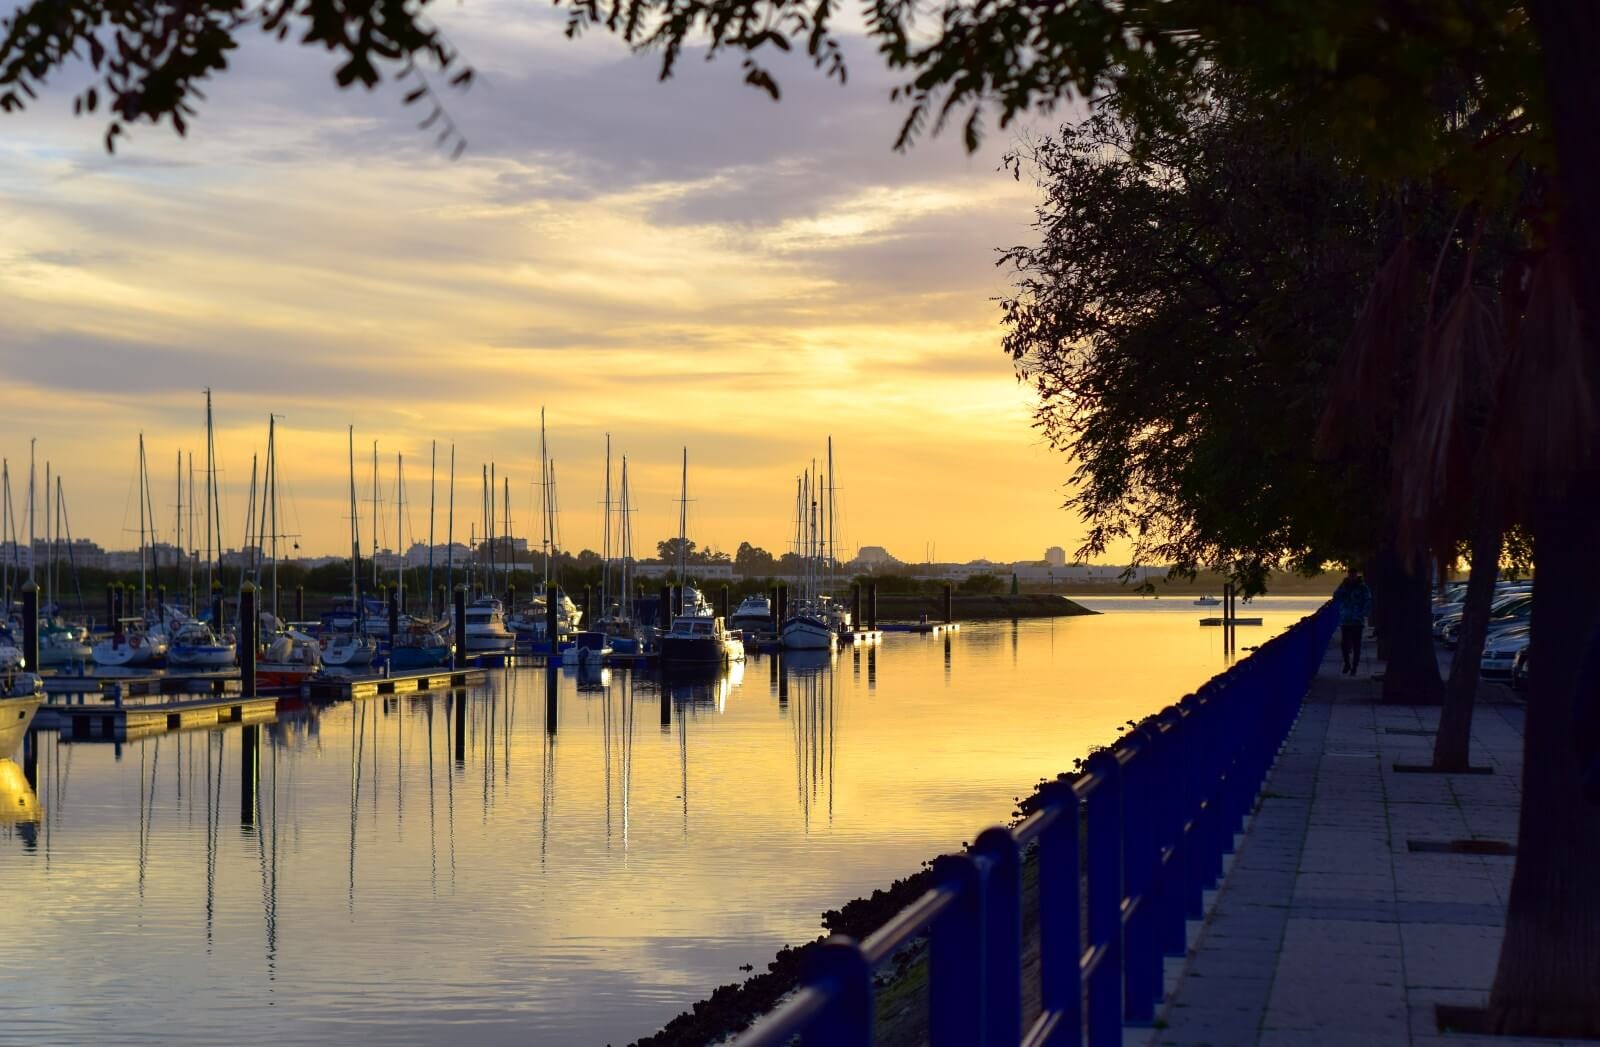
x,y
617,624
353,648
531,622
698,636
290,656
135,641
818,618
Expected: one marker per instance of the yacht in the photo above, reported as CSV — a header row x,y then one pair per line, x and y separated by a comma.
x,y
1207,601
351,650
700,640
486,630
61,643
419,646
21,697
289,660
754,615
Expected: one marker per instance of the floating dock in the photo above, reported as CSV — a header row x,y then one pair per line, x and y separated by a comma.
x,y
421,681
121,723
1230,621
927,628
141,684
857,637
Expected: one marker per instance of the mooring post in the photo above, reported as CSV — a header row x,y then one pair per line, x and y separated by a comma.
x,y
394,617
551,714
116,611
111,606
458,650
299,603
216,606
249,773
192,607
772,607
872,604
855,605
249,621
441,604
948,617
552,619
511,598
30,627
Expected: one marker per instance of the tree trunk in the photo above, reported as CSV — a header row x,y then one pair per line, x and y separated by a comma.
x,y
1548,979
1550,959
1452,746
1411,674
1379,584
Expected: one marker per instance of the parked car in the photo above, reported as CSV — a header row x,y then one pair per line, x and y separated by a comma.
x,y
1502,651
1507,610
1519,673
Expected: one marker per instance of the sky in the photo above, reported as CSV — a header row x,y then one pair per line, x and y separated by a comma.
x,y
681,265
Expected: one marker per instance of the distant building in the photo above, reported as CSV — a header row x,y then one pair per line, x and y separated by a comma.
x,y
1055,556
872,559
720,571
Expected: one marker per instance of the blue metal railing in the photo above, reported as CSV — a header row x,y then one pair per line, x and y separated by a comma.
x,y
1158,812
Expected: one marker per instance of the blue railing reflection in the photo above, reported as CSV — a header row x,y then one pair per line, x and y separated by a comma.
x,y
1154,816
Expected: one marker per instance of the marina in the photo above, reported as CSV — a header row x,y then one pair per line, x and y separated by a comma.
x,y
569,818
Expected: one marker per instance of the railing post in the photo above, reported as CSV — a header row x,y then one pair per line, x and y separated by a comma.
x,y
1105,899
955,967
1172,805
1000,877
839,968
1060,919
1140,861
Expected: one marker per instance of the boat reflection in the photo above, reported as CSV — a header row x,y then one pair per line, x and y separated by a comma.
x,y
19,804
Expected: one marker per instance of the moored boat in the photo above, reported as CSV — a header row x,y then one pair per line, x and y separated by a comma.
x,y
196,647
21,694
754,614
807,631
590,647
486,631
700,640
133,645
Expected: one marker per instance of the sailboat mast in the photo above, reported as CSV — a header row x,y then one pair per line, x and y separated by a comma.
x,y
433,475
356,606
510,559
400,529
144,600
31,445
5,521
272,485
627,543
544,498
213,501
189,554
605,546
450,530
177,564
49,546
374,516
683,517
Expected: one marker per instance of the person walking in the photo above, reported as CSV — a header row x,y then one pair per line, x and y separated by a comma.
x,y
1354,602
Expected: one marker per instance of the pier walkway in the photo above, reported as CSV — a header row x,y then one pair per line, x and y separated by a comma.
x,y
1346,917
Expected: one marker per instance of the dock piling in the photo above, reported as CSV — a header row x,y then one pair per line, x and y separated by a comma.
x,y
772,608
872,604
30,627
299,603
458,649
394,617
216,606
855,605
948,616
552,619
111,605
248,623
116,610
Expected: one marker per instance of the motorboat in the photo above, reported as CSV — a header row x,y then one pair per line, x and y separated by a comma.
x,y
1208,601
533,621
700,640
289,660
21,694
196,647
753,615
590,647
486,630
620,633
133,645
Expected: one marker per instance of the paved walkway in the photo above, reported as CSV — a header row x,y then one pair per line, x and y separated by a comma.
x,y
1331,927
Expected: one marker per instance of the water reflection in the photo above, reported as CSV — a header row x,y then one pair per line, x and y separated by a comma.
x,y
585,903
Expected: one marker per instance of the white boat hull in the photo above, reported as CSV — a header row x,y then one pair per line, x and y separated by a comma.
x,y
221,657
350,655
15,716
802,635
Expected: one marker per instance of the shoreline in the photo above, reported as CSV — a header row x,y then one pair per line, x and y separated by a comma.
x,y
909,607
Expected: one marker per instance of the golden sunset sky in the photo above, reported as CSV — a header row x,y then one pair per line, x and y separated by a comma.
x,y
677,264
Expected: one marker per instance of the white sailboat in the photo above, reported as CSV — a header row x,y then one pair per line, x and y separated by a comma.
x,y
697,636
135,642
355,649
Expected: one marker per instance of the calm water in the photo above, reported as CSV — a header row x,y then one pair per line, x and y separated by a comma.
x,y
574,882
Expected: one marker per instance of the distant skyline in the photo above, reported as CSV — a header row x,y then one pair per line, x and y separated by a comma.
x,y
678,264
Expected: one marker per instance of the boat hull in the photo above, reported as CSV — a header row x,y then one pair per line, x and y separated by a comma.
x,y
418,657
350,655
699,650
807,634
16,714
124,655
221,656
